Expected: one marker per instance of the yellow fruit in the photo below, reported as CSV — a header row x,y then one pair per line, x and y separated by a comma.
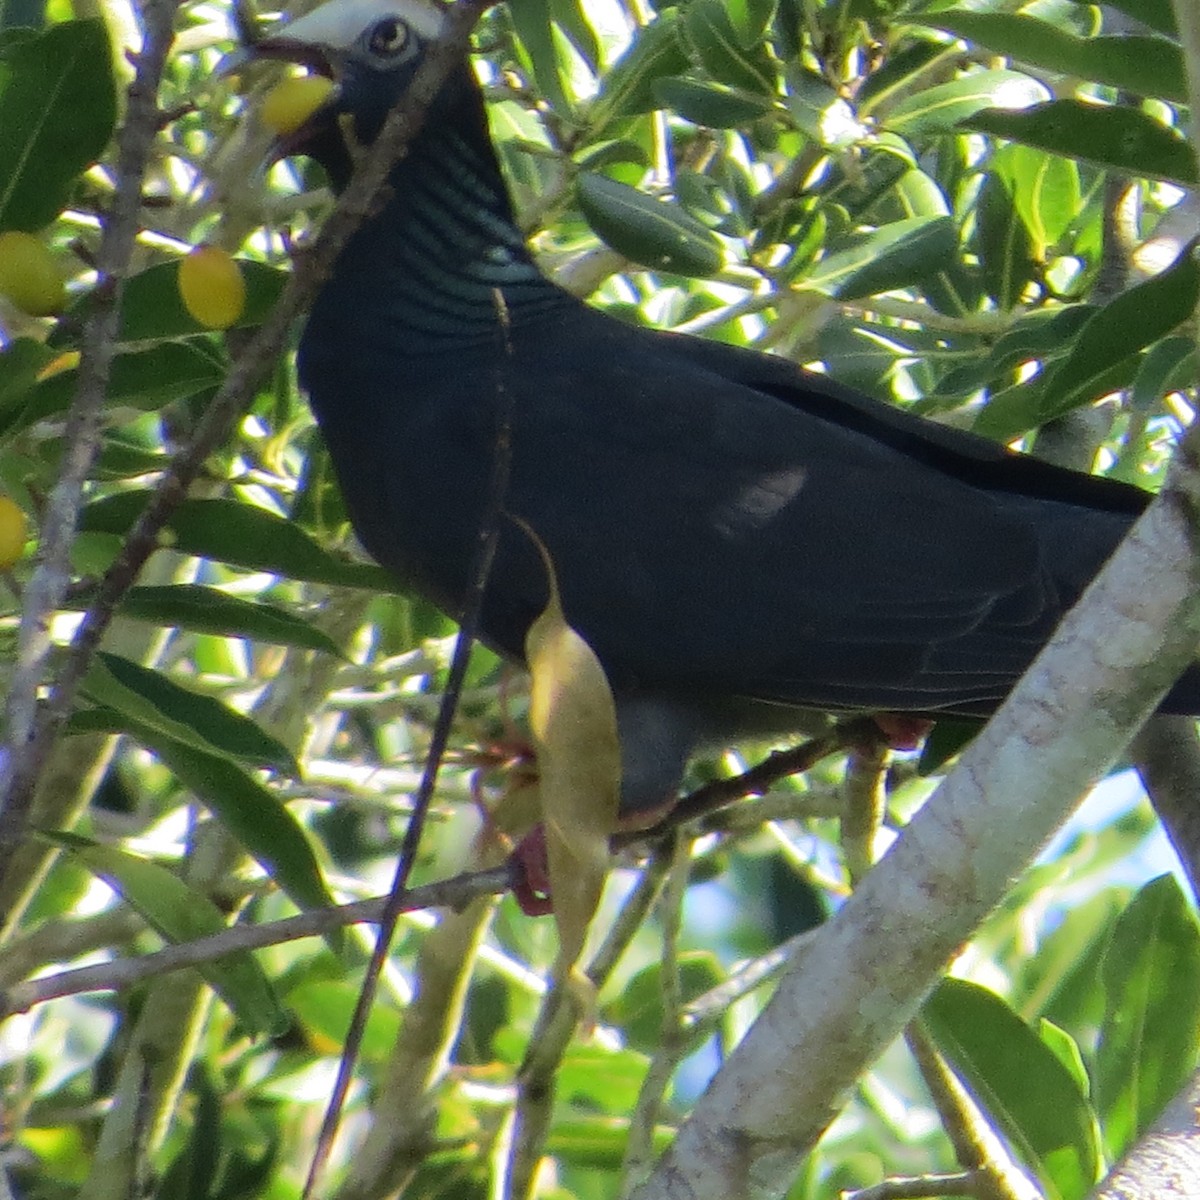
x,y
292,101
28,275
12,533
212,287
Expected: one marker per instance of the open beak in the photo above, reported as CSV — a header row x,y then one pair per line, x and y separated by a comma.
x,y
291,50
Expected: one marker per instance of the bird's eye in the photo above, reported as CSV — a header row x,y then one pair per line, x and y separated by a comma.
x,y
388,37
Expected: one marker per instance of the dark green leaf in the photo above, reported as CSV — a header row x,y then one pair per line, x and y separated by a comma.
x,y
1135,319
152,699
1147,1042
894,256
532,21
57,112
193,1170
899,73
1029,1093
1146,66
719,50
750,19
210,610
947,738
1110,135
1168,366
628,86
182,914
710,104
241,534
252,813
653,232
941,108
1005,248
21,361
144,379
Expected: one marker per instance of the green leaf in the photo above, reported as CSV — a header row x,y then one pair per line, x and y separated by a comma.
x,y
1045,190
638,1008
893,256
653,232
21,361
144,379
1005,248
1109,135
1017,409
719,50
1151,1028
572,19
943,107
1168,366
182,914
1126,325
241,534
1146,66
710,104
252,813
1033,1098
58,108
152,699
750,19
1157,14
1066,1049
323,1007
210,610
532,21
628,86
946,740
152,309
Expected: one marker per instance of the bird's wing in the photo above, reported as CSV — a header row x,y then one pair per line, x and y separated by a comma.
x,y
705,534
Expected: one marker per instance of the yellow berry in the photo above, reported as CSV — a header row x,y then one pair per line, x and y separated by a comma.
x,y
12,532
292,101
212,287
29,276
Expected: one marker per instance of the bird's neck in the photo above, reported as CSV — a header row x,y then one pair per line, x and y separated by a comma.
x,y
443,254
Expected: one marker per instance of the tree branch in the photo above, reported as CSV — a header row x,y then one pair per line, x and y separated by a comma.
x,y
30,744
27,746
863,976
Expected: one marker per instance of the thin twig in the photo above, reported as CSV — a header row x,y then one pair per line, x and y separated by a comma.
x,y
454,893
777,765
26,743
262,350
463,20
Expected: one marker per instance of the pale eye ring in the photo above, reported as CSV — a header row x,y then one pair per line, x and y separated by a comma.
x,y
388,37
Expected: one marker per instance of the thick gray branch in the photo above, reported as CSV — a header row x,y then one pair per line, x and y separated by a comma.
x,y
865,973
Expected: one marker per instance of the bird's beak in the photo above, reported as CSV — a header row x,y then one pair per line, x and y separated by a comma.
x,y
316,58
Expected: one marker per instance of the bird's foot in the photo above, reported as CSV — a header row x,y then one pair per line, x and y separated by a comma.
x,y
902,731
531,874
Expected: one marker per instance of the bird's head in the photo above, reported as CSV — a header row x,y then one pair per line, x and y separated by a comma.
x,y
370,49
